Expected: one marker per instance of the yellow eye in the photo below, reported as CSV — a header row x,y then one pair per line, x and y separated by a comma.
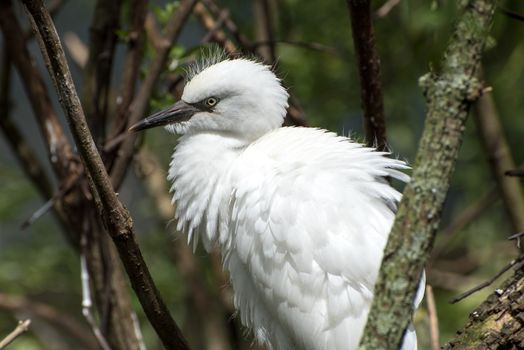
x,y
211,101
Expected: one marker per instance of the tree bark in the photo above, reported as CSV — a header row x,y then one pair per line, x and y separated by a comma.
x,y
115,217
498,323
449,96
368,63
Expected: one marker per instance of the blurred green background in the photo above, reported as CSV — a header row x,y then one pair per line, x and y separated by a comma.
x,y
37,263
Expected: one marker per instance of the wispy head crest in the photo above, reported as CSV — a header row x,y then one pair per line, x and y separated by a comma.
x,y
211,55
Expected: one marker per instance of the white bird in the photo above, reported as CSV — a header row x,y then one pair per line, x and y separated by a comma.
x,y
301,216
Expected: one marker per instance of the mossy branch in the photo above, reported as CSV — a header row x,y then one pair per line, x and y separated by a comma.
x,y
449,96
497,323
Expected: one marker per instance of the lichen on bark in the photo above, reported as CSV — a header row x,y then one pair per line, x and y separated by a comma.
x,y
449,94
498,323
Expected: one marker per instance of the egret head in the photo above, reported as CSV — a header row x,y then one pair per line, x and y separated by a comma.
x,y
239,97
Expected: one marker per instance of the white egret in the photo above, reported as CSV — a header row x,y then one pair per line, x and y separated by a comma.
x,y
301,216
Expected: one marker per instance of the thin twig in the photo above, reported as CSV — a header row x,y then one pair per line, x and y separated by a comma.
x,y
433,318
65,322
487,283
209,23
216,26
138,332
515,172
116,217
111,144
50,203
517,237
368,63
240,38
87,303
511,14
22,327
37,214
386,8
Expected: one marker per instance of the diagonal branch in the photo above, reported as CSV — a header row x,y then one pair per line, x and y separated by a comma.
x,y
369,73
449,96
231,26
214,32
497,322
22,327
60,320
117,219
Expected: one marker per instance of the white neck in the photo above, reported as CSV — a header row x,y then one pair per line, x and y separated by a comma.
x,y
199,171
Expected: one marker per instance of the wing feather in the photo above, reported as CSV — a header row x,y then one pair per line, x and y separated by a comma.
x,y
310,217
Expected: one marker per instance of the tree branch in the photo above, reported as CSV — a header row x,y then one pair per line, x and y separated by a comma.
x,y
449,96
433,318
497,323
386,8
97,73
369,73
241,39
65,322
204,306
209,23
141,102
135,49
22,327
489,282
23,152
295,115
500,159
116,217
59,149
264,30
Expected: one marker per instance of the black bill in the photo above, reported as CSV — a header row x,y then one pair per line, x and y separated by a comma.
x,y
177,113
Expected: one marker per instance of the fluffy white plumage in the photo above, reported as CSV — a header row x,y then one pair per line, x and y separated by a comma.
x,y
301,216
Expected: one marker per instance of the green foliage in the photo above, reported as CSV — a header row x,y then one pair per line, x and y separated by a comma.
x,y
163,13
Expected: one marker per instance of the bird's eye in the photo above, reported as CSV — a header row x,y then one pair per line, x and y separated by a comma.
x,y
211,101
